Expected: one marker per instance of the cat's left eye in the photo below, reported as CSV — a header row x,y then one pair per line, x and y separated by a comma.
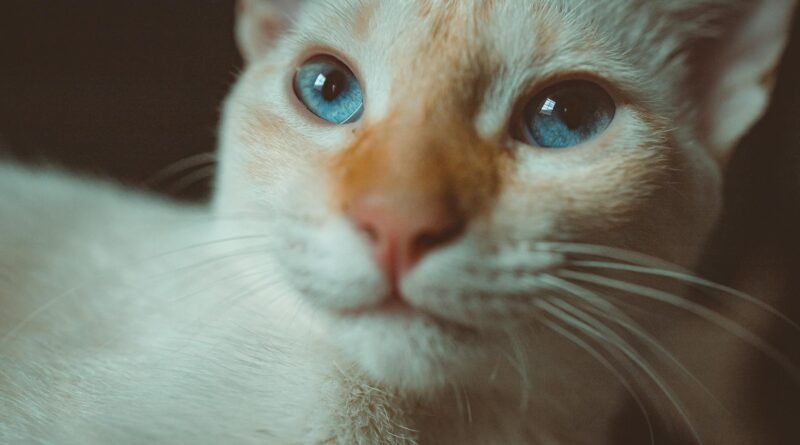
x,y
566,115
330,90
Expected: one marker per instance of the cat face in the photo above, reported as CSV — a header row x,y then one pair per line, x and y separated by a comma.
x,y
430,168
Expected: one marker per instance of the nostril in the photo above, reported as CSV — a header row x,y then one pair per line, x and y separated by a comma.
x,y
372,220
431,239
369,230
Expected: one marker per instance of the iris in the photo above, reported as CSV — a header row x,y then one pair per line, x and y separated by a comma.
x,y
567,114
329,90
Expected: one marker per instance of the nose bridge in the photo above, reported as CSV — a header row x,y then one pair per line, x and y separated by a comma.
x,y
420,160
418,156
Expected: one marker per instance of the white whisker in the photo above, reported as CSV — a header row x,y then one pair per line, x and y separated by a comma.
x,y
519,364
610,312
701,311
193,178
690,279
608,366
593,327
209,244
468,404
171,274
457,398
180,166
609,252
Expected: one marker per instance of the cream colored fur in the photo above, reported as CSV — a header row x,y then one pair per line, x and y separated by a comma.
x,y
127,319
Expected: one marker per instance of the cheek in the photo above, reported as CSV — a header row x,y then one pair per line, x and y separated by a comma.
x,y
571,207
268,132
587,194
268,148
639,201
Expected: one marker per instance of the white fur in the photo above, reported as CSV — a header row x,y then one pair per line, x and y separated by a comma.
x,y
149,325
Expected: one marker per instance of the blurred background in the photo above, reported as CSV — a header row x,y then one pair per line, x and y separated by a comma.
x,y
124,89
116,88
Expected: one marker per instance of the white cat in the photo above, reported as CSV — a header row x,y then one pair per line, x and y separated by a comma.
x,y
423,231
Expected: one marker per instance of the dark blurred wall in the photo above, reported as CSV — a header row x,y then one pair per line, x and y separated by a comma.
x,y
118,88
757,244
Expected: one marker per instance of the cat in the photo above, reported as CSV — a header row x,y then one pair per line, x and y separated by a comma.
x,y
434,222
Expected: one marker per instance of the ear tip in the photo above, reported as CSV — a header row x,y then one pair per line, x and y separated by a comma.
x,y
744,67
260,23
741,112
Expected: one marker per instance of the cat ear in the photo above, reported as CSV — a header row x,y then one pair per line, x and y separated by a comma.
x,y
259,23
734,75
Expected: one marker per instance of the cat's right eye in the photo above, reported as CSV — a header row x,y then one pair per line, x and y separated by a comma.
x,y
330,90
566,115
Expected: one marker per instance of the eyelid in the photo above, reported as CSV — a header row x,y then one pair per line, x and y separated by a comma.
x,y
539,86
320,50
621,96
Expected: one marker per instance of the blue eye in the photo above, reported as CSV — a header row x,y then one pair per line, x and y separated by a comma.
x,y
330,90
567,115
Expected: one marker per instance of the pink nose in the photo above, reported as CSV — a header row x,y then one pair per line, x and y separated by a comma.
x,y
401,233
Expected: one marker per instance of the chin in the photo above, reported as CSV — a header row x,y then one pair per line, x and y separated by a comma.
x,y
410,352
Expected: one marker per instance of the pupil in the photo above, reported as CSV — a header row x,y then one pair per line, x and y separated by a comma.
x,y
334,86
572,114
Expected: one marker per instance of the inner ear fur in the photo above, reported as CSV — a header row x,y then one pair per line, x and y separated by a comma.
x,y
259,23
733,72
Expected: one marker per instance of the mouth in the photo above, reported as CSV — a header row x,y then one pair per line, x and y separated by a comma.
x,y
409,347
396,307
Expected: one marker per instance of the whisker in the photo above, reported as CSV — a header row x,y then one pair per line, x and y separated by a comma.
x,y
609,366
180,166
701,311
231,302
594,303
209,244
457,396
192,178
690,279
28,319
609,252
43,308
220,308
593,327
468,404
520,365
202,286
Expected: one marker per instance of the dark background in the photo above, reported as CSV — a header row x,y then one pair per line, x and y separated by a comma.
x,y
117,88
123,89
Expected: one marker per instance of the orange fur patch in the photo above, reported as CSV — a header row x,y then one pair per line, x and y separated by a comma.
x,y
439,165
262,125
363,19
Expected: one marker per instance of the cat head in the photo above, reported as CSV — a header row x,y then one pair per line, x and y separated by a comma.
x,y
431,168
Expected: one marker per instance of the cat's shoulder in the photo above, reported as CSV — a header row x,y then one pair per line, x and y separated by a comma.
x,y
42,191
71,235
47,208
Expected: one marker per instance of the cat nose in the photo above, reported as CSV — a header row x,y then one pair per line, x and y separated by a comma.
x,y
401,233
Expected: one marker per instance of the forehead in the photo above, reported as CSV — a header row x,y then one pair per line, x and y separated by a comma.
x,y
512,22
499,33
502,48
